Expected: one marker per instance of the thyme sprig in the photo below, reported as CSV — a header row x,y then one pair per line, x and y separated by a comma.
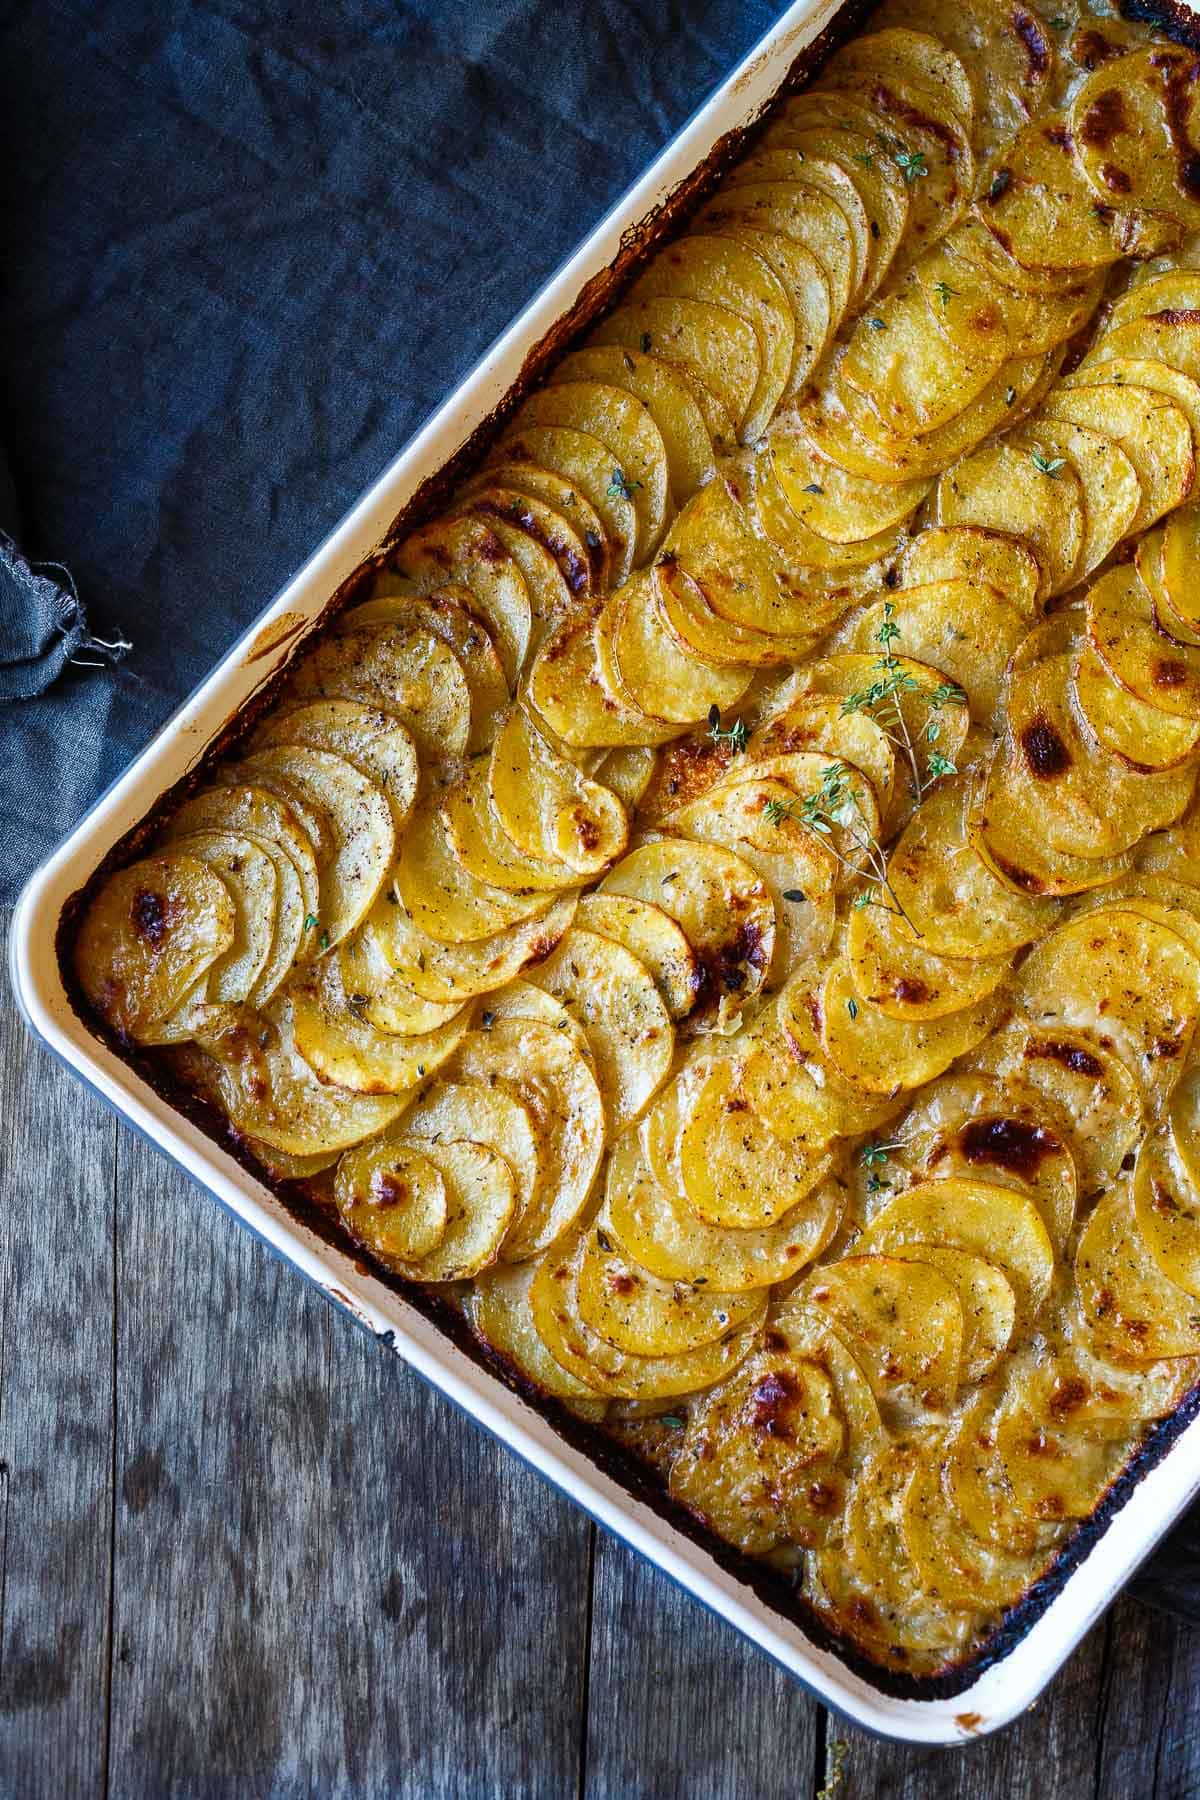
x,y
837,806
881,699
737,736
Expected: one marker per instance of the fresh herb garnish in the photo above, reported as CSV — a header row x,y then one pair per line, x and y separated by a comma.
x,y
882,700
911,164
795,894
324,940
311,921
1047,465
877,324
813,487
864,159
736,736
873,1157
944,291
852,1008
673,1419
837,806
620,488
1058,23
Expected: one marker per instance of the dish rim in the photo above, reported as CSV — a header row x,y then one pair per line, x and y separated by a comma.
x,y
1001,1689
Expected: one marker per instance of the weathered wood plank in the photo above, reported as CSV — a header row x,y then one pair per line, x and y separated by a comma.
x,y
325,1580
679,1705
57,1155
1150,1731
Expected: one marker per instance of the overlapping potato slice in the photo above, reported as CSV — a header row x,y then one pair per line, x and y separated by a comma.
x,y
1128,982
619,421
475,1113
559,1322
905,368
895,973
699,629
270,1092
802,1093
837,570
950,1560
880,1054
820,723
478,1197
582,701
1053,1473
657,675
1166,1205
449,614
714,348
1134,1312
396,671
903,1323
658,1228
833,501
499,1312
1039,207
966,631
1137,130
585,465
393,1200
949,894
1152,431
1014,485
541,1068
990,559
270,823
981,314
978,1489
248,873
484,849
721,904
574,528
449,973
547,806
512,517
1140,735
815,124
638,1312
625,1021
466,551
999,1224
373,742
150,935
800,273
985,1295
1008,839
439,896
656,939
334,1036
791,209
824,175
665,395
381,996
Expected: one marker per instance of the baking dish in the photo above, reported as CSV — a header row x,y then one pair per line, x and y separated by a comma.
x,y
1020,1660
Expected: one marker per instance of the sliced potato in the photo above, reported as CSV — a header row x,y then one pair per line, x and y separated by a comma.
x,y
1100,368
442,900
985,1296
854,567
1053,1474
449,614
1014,485
1153,432
661,1232
249,875
965,631
1166,1206
824,175
375,743
658,676
577,528
1004,831
732,1169
1135,1313
713,345
1180,554
950,1560
266,819
1126,635
797,210
568,690
475,1113
464,550
394,671
881,188
1136,125
894,971
628,1029
977,1487
990,559
656,939
510,516
628,771
979,313
801,275
1140,735
875,1558
480,1207
484,849
625,427
343,1047
638,1312
718,900
667,398
936,722
910,374
1112,490
519,511
880,1054
902,1322
498,1310
547,806
698,628
455,972
1039,206
809,722
381,996
150,935
833,502
393,1201
585,465
999,1224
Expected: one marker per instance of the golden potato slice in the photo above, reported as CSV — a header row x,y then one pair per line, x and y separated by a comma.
x,y
720,271
903,1324
798,210
1039,206
875,1554
628,772
1144,372
657,675
702,631
1150,557
880,1054
522,1000
911,375
149,936
759,1463
660,1231
344,1048
708,343
801,276
1128,982
575,528
855,566
480,1206
1136,126
247,970
393,1201
374,742
1135,1313
638,1312
381,996
976,1127
654,938
628,1029
542,1069
949,894
949,1559
896,973
999,1224
1069,1381
1128,638
1153,432
449,614
1184,1120
817,723
667,398
442,900
1166,1207
457,972
1084,1079
986,1297
474,1113
1180,554
484,850
510,517
498,1311
836,504
571,691
1014,485
547,806
965,631
1141,736
977,1487
464,550
269,1092
825,175
990,559
395,671
879,184
1054,1474
1008,54
1112,491
1004,830
267,820
585,465
1176,289
733,1170
980,314
721,904
782,1089
354,865
1170,337
914,57
935,723
554,1303
625,427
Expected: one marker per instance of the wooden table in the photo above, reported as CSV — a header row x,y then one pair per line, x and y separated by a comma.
x,y
247,1553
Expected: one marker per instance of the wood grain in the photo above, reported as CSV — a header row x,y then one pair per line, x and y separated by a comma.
x,y
244,1552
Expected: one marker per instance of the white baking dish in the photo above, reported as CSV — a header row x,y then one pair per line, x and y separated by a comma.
x,y
987,1699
